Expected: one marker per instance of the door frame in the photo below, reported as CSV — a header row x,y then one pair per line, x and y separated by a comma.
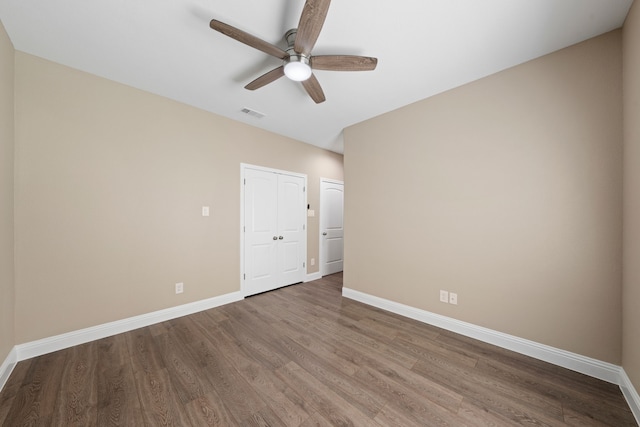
x,y
243,168
320,223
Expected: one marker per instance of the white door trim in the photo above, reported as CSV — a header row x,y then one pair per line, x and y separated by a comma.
x,y
320,223
243,167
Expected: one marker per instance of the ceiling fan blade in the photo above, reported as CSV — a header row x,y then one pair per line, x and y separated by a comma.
x,y
311,21
343,63
312,86
248,39
266,78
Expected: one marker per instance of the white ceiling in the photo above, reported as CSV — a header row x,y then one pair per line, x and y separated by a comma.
x,y
424,47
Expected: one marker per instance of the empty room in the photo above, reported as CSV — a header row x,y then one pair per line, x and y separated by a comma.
x,y
309,213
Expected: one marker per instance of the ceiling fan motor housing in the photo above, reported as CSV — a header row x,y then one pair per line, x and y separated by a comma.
x,y
297,66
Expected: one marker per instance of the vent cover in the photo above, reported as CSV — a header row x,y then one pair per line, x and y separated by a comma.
x,y
253,113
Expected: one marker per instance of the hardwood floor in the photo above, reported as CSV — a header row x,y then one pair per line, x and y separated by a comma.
x,y
301,356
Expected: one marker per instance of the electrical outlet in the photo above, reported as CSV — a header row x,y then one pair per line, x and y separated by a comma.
x,y
453,298
444,296
179,288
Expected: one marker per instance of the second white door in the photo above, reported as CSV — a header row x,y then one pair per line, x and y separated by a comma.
x,y
331,226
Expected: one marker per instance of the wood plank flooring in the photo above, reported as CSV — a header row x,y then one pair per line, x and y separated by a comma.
x,y
301,356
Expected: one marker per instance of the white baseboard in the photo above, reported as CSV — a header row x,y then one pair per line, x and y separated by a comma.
x,y
313,276
586,365
7,367
69,339
630,393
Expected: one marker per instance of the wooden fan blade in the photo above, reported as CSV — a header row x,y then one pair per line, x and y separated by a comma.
x,y
266,78
312,86
248,39
343,63
311,22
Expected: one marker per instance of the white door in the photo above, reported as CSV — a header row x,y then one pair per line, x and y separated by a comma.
x,y
274,230
260,228
331,226
291,246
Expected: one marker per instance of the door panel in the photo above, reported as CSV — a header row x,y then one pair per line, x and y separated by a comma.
x,y
290,198
334,198
262,261
290,259
262,204
334,250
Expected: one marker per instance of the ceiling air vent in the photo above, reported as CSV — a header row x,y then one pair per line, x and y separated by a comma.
x,y
253,113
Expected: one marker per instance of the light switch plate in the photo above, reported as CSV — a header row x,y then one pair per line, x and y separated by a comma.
x,y
444,296
311,212
205,211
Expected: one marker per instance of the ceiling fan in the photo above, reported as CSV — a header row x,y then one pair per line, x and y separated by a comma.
x,y
298,62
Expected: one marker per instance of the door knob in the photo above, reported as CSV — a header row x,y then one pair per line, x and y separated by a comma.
x,y
280,238
324,234
275,237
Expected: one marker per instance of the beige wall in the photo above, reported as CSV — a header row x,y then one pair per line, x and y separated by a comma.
x,y
110,182
507,191
631,281
7,299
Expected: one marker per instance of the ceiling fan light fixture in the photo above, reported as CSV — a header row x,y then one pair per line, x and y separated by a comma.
x,y
297,68
297,58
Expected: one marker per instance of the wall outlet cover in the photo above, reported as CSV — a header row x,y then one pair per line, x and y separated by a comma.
x,y
453,298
